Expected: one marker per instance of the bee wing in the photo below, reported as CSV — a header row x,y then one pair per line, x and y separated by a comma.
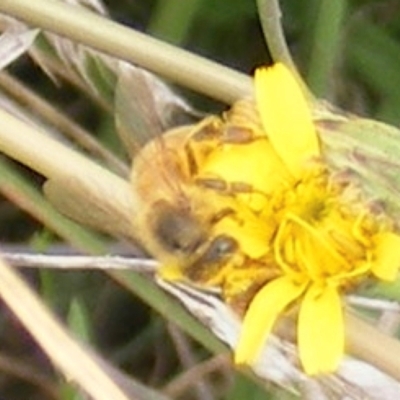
x,y
145,107
103,204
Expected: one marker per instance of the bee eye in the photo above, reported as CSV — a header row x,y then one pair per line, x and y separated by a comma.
x,y
214,257
221,247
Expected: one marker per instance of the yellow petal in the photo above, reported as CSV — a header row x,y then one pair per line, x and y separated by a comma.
x,y
286,116
321,330
387,254
268,303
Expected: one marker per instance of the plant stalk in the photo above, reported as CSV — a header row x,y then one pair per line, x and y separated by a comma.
x,y
85,27
271,23
270,18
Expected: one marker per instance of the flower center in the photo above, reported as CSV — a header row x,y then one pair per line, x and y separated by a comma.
x,y
319,240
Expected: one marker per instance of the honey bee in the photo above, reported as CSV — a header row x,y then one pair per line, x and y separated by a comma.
x,y
196,222
191,221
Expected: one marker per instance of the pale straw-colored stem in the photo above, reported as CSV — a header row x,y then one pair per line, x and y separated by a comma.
x,y
49,113
367,343
73,262
40,152
85,27
64,351
57,162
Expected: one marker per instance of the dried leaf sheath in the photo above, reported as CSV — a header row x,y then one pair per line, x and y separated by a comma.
x,y
94,185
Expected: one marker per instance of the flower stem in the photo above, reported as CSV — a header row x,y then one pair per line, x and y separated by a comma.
x,y
369,344
270,18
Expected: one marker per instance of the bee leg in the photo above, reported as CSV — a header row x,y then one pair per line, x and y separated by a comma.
x,y
236,134
226,188
210,129
204,138
216,184
243,283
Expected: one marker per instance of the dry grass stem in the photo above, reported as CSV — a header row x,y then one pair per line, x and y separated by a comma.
x,y
20,369
29,260
189,378
25,144
61,348
180,66
186,355
65,125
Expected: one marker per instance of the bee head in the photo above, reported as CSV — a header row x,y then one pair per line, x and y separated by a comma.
x,y
185,239
177,230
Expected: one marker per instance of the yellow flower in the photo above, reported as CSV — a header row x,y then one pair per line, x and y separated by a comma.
x,y
325,241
